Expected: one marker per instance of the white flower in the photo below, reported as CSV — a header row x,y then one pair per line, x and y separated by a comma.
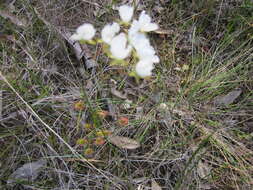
x,y
145,51
144,68
126,13
84,32
145,23
138,40
148,53
143,47
135,27
109,31
119,48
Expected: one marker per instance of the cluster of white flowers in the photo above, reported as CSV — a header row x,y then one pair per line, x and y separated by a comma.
x,y
121,44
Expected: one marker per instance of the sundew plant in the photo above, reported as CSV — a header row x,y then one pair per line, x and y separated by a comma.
x,y
125,40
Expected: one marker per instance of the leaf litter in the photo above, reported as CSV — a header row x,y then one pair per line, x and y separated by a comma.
x,y
228,98
123,142
27,172
13,18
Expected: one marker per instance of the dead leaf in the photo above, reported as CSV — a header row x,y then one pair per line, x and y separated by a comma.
x,y
124,142
28,172
14,19
229,98
155,185
163,32
118,93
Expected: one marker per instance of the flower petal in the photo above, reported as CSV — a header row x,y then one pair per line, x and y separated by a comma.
x,y
139,40
135,27
75,37
145,23
109,31
143,47
144,18
126,13
119,48
144,68
84,32
149,27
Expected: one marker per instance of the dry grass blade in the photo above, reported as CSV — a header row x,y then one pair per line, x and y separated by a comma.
x,y
203,169
14,19
118,94
81,50
81,160
4,37
66,35
75,153
155,186
124,142
192,120
1,103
